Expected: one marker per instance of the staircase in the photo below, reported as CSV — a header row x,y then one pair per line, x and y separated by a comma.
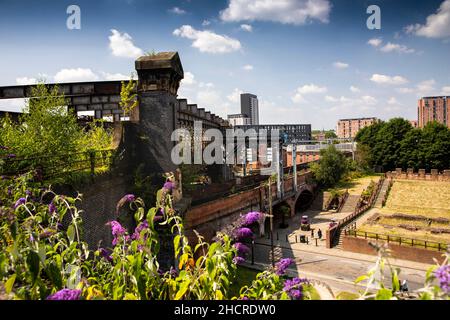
x,y
384,188
350,203
354,222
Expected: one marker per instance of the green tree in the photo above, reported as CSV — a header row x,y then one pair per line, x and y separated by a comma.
x,y
46,127
331,167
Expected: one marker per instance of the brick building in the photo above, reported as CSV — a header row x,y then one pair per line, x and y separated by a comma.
x,y
348,128
433,109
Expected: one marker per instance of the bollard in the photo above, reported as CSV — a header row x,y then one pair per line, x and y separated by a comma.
x,y
316,241
295,238
287,239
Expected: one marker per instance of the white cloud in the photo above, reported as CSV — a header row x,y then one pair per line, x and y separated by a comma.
x,y
354,89
188,79
426,87
390,47
115,76
208,99
446,90
121,45
369,100
208,41
176,10
75,75
295,12
340,65
25,80
206,22
305,90
375,42
393,101
246,27
331,99
311,88
437,25
384,79
248,67
235,96
404,90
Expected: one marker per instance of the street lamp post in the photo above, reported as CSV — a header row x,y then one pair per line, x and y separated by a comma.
x,y
271,223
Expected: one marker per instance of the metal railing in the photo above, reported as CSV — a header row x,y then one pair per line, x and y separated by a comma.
x,y
335,230
426,244
53,166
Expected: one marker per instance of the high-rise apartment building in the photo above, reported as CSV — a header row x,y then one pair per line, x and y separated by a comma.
x,y
348,128
434,109
249,107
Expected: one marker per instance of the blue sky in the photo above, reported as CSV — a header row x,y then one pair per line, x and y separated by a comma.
x,y
309,61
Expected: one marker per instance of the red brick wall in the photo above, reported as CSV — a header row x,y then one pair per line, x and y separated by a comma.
x,y
403,252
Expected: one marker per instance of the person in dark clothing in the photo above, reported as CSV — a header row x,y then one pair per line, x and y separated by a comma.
x,y
312,233
319,234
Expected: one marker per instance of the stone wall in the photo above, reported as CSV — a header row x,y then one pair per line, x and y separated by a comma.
x,y
403,252
421,174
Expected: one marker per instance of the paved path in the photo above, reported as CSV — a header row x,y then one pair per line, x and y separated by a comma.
x,y
336,268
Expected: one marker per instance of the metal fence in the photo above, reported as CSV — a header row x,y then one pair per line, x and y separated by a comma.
x,y
430,245
54,166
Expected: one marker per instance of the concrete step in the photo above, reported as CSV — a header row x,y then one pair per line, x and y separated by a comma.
x,y
350,203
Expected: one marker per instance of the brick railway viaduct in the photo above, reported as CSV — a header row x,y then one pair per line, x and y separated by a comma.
x,y
146,140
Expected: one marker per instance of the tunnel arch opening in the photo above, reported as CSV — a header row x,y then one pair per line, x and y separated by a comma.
x,y
304,201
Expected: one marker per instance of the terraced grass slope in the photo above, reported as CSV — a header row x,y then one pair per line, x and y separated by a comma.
x,y
414,209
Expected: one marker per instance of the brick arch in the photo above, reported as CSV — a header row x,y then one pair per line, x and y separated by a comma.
x,y
302,189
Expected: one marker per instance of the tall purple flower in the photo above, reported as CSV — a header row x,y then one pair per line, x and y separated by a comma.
x,y
19,202
51,208
251,218
9,191
129,197
117,231
294,288
65,294
169,185
238,260
3,148
105,254
244,233
241,248
443,276
11,155
137,232
28,192
282,265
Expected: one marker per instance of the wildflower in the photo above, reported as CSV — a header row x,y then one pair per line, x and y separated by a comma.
x,y
282,265
20,202
9,191
65,294
169,185
117,231
51,208
31,238
243,233
3,148
59,226
157,218
28,192
105,254
443,276
251,218
294,287
143,225
11,155
241,248
129,197
238,260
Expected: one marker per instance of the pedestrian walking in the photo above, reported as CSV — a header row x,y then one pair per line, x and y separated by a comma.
x,y
319,234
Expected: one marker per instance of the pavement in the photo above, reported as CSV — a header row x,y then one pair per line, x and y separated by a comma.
x,y
335,269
